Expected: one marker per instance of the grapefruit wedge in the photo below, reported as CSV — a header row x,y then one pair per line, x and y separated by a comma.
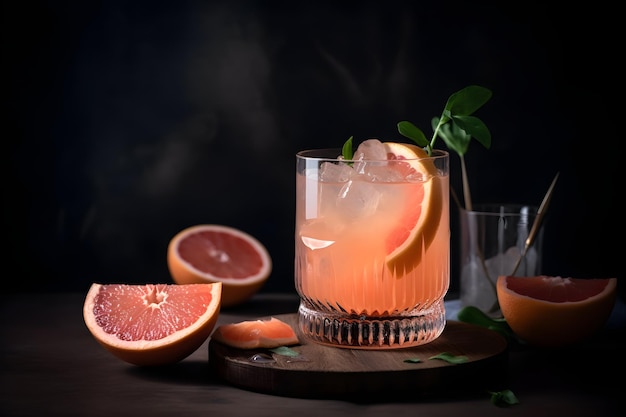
x,y
550,311
417,226
255,334
213,253
154,324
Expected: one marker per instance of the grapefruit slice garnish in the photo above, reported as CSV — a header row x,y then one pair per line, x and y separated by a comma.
x,y
549,311
213,253
417,225
253,334
154,324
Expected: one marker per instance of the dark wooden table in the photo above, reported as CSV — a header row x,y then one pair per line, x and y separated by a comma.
x,y
51,366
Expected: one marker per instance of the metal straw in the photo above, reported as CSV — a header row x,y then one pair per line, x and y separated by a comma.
x,y
537,223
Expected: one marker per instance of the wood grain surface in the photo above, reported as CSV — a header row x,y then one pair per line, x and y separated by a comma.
x,y
321,371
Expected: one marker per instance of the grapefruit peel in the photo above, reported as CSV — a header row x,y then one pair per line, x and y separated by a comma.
x,y
408,246
253,334
543,323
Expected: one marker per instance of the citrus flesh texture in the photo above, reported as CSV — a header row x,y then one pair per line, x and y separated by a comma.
x,y
215,253
547,311
417,227
153,324
254,334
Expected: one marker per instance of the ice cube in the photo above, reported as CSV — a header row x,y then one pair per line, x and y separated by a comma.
x,y
330,172
369,150
475,287
378,173
529,264
358,199
503,263
372,149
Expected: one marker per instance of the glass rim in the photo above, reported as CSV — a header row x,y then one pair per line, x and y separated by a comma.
x,y
498,209
333,154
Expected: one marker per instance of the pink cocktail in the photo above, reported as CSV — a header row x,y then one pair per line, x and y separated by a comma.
x,y
372,245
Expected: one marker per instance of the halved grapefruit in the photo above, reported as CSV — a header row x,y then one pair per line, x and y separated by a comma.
x,y
417,227
253,334
214,253
550,311
154,324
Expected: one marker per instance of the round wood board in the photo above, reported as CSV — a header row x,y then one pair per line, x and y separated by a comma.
x,y
321,371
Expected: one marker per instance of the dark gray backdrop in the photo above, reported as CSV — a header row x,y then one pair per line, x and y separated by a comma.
x,y
129,121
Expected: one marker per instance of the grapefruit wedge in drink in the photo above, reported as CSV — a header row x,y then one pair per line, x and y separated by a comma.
x,y
214,253
548,311
417,226
153,324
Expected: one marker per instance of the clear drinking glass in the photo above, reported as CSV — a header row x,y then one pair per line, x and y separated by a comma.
x,y
493,237
372,249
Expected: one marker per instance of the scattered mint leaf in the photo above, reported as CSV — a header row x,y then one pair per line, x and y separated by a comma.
x,y
473,315
284,351
445,356
503,398
413,360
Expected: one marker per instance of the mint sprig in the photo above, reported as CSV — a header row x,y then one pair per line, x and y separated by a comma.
x,y
456,126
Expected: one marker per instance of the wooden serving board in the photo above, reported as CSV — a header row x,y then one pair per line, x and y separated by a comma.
x,y
329,372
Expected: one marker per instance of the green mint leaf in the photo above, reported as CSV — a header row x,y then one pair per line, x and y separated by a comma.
x,y
466,101
455,138
473,315
412,360
503,330
458,109
475,127
503,398
409,130
445,356
347,151
456,126
284,351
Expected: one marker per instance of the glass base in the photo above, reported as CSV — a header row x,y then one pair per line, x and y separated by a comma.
x,y
365,332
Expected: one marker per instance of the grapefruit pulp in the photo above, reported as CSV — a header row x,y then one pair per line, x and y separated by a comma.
x,y
417,227
550,311
154,324
254,334
214,253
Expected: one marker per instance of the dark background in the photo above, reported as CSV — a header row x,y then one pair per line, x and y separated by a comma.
x,y
126,122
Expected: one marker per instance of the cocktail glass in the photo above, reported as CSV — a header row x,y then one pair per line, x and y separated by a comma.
x,y
372,248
